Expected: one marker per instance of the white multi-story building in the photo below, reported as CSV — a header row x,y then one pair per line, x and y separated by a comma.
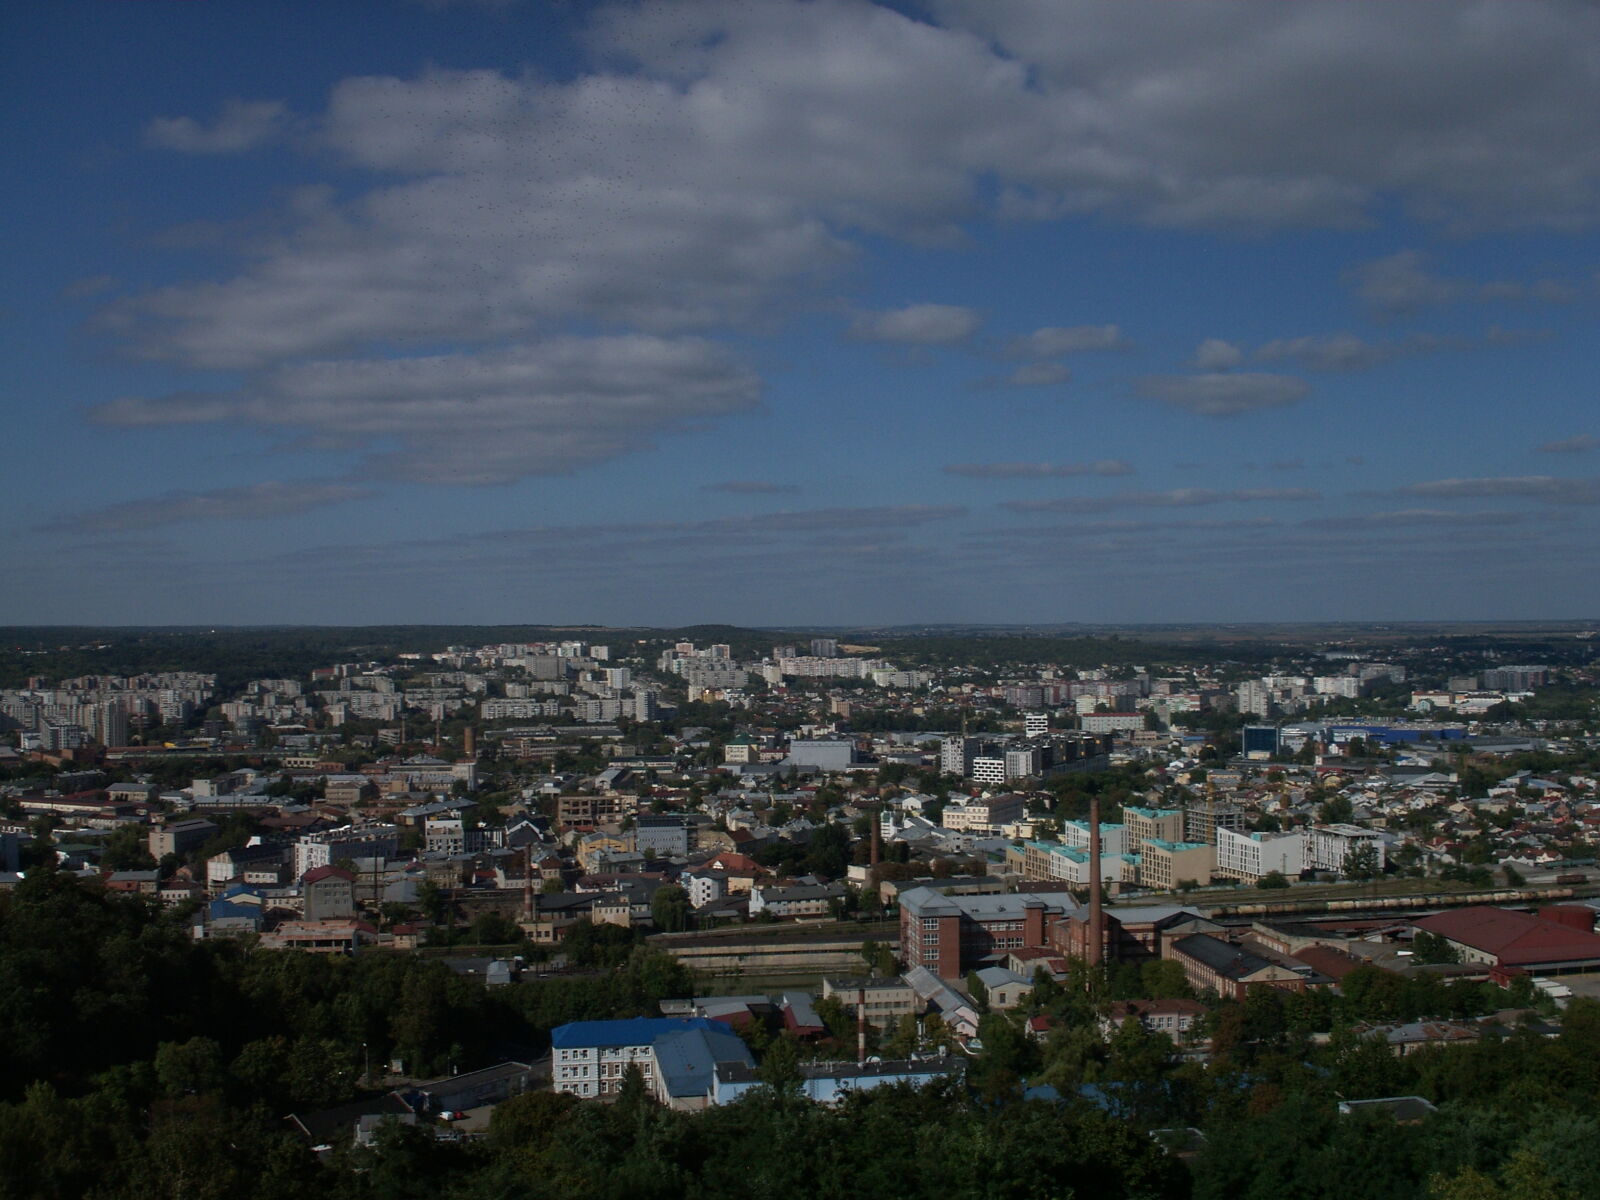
x,y
1255,698
1328,846
352,841
956,755
1249,856
445,835
988,768
1116,722
1023,762
1337,685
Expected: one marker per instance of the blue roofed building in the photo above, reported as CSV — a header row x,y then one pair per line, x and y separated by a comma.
x,y
830,1082
589,1058
684,1064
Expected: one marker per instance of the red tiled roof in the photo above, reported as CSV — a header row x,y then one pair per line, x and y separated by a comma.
x,y
1335,964
1513,937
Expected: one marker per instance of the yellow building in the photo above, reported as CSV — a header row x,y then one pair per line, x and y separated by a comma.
x,y
1164,865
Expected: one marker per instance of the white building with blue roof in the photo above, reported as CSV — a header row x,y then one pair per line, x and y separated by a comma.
x,y
589,1058
684,1064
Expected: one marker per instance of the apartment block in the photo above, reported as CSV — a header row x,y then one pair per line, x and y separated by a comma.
x,y
1249,856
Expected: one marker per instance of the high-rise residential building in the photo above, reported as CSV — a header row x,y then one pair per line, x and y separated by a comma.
x,y
956,754
1515,679
1255,698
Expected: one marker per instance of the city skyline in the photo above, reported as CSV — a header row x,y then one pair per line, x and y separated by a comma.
x,y
785,314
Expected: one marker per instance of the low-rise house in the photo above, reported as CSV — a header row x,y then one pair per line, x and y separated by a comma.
x,y
141,883
957,1011
320,937
1004,988
809,900
471,1089
830,1082
1178,1019
249,864
1412,1036
885,1000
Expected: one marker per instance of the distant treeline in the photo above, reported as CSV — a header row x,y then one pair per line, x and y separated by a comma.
x,y
1009,650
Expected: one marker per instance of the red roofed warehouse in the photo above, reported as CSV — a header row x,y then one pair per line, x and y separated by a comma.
x,y
1540,945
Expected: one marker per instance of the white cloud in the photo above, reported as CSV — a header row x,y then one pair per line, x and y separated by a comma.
x,y
1308,113
1403,282
733,150
255,501
1176,498
1038,374
750,487
1054,341
1579,444
716,160
1535,487
240,126
1214,354
1039,470
539,409
919,325
1218,394
1405,518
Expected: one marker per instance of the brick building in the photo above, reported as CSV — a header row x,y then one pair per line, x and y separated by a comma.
x,y
952,934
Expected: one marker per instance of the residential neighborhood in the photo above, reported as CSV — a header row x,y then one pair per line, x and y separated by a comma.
x,y
934,878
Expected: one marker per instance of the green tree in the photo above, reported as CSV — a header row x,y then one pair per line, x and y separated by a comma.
x,y
1431,948
126,850
190,1068
1336,810
780,1066
1361,861
669,908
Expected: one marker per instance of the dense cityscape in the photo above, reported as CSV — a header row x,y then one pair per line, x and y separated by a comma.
x,y
1163,896
800,600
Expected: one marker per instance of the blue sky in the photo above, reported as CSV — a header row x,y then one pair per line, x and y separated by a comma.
x,y
798,313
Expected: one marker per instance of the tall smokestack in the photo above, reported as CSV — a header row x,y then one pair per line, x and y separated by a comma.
x,y
877,826
469,744
861,1027
1097,937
